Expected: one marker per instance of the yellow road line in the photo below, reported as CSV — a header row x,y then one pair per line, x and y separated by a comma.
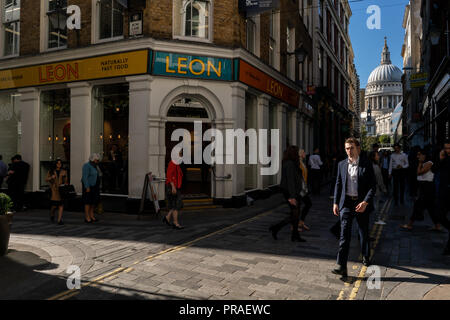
x,y
376,229
93,283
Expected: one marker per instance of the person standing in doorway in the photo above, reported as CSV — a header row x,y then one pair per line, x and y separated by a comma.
x,y
354,192
17,179
397,165
315,163
174,181
57,177
91,187
304,194
291,186
443,168
426,192
3,170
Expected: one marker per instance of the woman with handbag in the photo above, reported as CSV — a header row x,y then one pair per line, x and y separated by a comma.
x,y
57,177
425,195
291,186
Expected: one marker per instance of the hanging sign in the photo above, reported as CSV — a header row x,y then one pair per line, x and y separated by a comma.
x,y
254,7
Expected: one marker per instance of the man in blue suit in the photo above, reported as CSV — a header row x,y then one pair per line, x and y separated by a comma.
x,y
353,194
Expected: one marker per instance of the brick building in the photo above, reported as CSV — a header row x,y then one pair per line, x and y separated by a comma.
x,y
137,70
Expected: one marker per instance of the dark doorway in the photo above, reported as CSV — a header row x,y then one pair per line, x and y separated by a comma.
x,y
196,177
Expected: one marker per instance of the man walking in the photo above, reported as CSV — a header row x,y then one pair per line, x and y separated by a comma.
x,y
17,179
315,163
397,165
354,191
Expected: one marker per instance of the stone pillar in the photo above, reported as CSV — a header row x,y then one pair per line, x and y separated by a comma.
x,y
80,127
29,106
138,144
237,170
262,119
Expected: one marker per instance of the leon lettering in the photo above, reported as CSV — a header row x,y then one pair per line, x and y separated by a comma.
x,y
60,72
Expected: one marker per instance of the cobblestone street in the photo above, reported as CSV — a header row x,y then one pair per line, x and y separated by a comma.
x,y
221,254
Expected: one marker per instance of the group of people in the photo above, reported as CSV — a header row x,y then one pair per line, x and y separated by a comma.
x,y
16,176
362,180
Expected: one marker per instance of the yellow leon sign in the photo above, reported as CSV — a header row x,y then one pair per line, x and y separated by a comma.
x,y
114,65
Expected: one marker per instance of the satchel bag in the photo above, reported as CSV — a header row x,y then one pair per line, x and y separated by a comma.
x,y
67,191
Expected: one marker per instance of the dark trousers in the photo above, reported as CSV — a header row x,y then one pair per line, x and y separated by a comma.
x,y
398,175
292,219
385,174
316,178
347,215
17,194
425,200
307,205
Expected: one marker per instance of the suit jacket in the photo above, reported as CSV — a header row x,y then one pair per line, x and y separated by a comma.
x,y
366,182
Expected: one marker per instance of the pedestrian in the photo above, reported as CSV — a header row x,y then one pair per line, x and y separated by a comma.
x,y
443,167
91,187
304,194
17,179
354,192
411,172
384,163
315,163
174,182
397,165
381,188
291,187
3,170
426,193
57,177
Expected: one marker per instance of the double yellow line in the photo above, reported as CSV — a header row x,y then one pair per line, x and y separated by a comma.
x,y
95,282
376,230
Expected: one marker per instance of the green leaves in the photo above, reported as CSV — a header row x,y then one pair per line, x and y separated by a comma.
x,y
6,204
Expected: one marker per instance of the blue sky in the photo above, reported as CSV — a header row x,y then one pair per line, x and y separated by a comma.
x,y
368,44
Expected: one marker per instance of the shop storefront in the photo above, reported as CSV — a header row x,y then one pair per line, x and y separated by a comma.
x,y
125,106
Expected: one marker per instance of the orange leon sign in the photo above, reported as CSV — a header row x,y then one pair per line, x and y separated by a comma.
x,y
265,83
60,72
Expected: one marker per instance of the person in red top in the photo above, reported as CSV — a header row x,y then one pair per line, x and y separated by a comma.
x,y
174,179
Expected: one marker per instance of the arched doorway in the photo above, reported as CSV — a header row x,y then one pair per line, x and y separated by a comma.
x,y
181,115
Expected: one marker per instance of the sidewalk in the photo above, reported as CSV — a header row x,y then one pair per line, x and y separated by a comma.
x,y
222,254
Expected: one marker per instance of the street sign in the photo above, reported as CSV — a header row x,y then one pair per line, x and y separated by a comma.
x,y
418,79
136,24
254,7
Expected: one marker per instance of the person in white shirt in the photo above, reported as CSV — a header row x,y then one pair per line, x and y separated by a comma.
x,y
315,163
399,162
425,199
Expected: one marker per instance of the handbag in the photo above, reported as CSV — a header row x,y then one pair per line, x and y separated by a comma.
x,y
67,191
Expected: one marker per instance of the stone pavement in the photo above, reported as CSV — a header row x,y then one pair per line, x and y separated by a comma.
x,y
222,254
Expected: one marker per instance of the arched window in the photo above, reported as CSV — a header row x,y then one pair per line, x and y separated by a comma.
x,y
192,18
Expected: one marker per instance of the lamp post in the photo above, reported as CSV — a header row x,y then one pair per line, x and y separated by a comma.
x,y
300,53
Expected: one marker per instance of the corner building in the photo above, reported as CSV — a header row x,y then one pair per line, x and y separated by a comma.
x,y
137,70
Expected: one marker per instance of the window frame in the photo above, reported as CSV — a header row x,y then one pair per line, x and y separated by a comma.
x,y
253,23
176,34
95,34
46,29
3,31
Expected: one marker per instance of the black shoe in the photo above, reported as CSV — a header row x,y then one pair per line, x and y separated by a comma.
x,y
87,221
95,220
178,227
366,261
167,222
61,223
340,271
297,238
52,218
274,232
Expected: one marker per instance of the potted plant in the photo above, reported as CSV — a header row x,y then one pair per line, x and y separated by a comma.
x,y
5,222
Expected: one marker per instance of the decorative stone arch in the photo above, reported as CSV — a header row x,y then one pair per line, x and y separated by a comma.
x,y
209,100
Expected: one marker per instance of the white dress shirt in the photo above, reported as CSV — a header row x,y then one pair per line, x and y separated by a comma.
x,y
398,159
427,176
315,162
352,178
